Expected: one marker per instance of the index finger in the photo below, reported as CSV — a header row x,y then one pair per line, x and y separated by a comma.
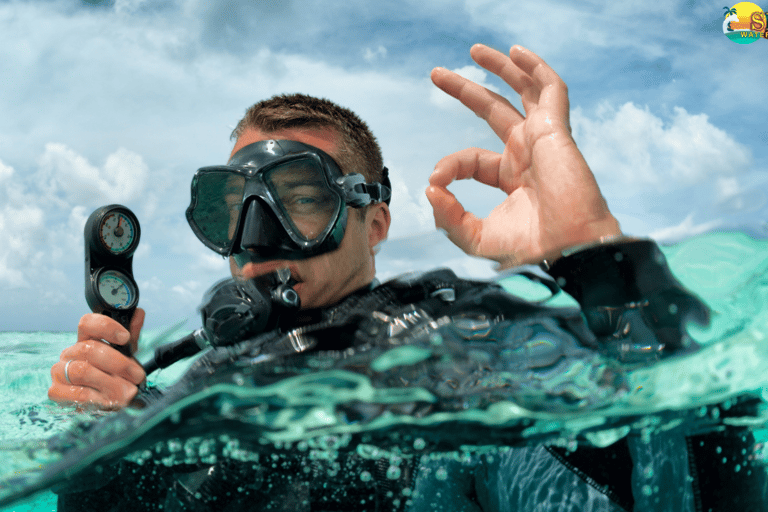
x,y
480,164
94,326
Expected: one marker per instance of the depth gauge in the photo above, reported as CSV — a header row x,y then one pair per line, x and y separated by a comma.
x,y
111,237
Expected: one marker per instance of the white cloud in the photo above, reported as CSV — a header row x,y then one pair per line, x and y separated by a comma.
x,y
129,6
22,229
5,172
209,262
64,174
556,27
144,251
632,146
732,195
168,80
728,188
189,291
685,229
11,277
153,284
373,55
411,211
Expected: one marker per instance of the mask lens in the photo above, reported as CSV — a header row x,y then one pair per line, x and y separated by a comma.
x,y
219,200
303,195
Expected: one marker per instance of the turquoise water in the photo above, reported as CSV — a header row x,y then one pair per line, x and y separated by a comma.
x,y
728,270
27,417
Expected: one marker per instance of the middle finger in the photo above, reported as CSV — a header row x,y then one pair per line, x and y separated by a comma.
x,y
496,110
106,359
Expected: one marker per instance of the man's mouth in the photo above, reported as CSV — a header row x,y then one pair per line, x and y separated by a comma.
x,y
269,277
259,270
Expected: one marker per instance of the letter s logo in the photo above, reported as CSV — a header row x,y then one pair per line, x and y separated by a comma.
x,y
757,21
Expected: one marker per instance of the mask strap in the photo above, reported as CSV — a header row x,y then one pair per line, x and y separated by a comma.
x,y
358,193
387,186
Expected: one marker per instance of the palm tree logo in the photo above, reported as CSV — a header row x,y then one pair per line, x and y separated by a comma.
x,y
728,13
744,23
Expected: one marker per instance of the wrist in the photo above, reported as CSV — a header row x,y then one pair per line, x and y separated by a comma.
x,y
550,259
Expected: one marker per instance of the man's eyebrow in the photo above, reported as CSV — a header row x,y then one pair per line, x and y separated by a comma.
x,y
300,183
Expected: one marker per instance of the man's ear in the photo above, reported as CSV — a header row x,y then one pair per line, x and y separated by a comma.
x,y
378,220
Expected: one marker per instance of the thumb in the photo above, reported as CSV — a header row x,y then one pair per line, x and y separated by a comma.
x,y
137,322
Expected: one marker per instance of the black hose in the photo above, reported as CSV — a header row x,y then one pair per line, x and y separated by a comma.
x,y
168,354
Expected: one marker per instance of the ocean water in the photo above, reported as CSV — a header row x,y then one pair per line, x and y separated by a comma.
x,y
26,414
729,271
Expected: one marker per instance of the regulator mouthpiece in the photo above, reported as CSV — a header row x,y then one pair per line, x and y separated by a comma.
x,y
283,293
233,311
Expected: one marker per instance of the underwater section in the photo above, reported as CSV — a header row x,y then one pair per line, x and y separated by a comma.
x,y
423,387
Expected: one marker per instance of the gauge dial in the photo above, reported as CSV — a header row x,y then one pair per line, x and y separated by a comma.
x,y
117,232
116,289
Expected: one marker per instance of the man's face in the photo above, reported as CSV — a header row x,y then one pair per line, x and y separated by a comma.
x,y
325,279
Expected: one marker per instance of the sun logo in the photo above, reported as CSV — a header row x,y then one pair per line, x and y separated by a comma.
x,y
745,23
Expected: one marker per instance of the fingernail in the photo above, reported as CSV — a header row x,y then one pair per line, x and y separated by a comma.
x,y
123,337
137,375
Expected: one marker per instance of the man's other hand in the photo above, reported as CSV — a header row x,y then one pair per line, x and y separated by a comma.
x,y
553,199
100,377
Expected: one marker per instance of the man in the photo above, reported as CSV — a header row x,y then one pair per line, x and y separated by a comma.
x,y
554,207
554,203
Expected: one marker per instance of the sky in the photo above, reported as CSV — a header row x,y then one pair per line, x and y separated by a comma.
x,y
120,101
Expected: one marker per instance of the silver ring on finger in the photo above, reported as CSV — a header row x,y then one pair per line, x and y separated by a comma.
x,y
66,370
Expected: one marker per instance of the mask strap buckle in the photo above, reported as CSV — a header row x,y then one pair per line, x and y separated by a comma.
x,y
358,193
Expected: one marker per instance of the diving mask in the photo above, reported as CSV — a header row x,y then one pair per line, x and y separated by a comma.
x,y
277,199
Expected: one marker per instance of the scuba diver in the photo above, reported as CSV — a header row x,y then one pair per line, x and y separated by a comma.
x,y
304,202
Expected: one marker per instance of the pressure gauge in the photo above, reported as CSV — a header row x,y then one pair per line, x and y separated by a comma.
x,y
118,232
113,230
111,237
116,290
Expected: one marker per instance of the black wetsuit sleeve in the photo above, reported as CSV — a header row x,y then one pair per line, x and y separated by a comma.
x,y
626,289
726,472
147,395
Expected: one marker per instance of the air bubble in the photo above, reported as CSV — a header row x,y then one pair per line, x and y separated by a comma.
x,y
393,472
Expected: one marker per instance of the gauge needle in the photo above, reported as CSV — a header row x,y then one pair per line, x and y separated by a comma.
x,y
118,229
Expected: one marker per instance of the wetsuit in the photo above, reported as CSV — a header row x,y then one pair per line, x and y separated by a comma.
x,y
499,347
